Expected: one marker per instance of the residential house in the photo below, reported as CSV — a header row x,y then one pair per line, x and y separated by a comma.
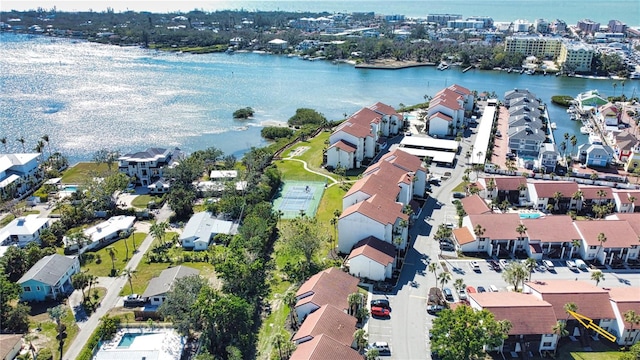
x,y
544,193
511,188
625,200
331,286
372,259
277,45
608,240
589,100
591,301
328,320
515,94
609,115
499,235
525,140
525,120
595,195
475,205
10,346
625,299
548,157
448,106
23,230
391,122
625,145
18,173
527,333
102,234
49,278
159,286
324,347
544,239
595,155
146,166
201,229
358,134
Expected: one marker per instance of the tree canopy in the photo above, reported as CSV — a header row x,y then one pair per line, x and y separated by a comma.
x,y
306,116
462,333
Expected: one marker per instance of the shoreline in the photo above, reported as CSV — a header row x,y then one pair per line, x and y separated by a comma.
x,y
392,64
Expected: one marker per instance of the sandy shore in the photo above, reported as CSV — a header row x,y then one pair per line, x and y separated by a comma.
x,y
391,64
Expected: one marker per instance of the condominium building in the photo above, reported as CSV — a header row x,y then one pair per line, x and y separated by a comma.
x,y
539,46
441,19
588,26
575,56
617,26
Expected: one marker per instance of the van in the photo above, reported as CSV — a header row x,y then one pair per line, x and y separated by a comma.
x,y
581,264
493,288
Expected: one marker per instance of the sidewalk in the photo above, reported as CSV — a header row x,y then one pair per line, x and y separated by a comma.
x,y
111,298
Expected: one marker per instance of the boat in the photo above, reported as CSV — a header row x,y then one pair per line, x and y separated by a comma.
x,y
585,130
554,126
443,66
530,72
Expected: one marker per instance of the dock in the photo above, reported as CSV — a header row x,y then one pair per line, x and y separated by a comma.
x,y
467,69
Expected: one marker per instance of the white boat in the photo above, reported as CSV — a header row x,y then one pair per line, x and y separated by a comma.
x,y
554,126
585,130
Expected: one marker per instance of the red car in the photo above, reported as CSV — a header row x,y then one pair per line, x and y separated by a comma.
x,y
380,311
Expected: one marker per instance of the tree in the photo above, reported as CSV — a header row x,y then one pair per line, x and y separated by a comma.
x,y
303,236
443,279
56,313
124,235
633,319
602,238
361,338
633,354
45,138
9,293
514,274
129,274
179,305
575,244
158,230
463,333
459,285
305,116
180,199
14,263
597,276
570,307
433,267
108,157
111,251
80,281
560,329
355,301
530,265
521,229
290,300
21,141
3,140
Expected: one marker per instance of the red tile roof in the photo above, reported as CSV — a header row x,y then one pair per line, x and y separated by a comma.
x,y
443,116
512,305
364,117
546,189
590,192
330,286
449,102
328,320
624,196
475,205
375,249
463,236
459,89
385,109
357,130
592,301
344,146
377,208
508,183
546,229
497,226
384,183
633,219
626,298
402,160
323,347
619,233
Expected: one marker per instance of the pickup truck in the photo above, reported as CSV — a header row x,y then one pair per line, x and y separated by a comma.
x,y
133,300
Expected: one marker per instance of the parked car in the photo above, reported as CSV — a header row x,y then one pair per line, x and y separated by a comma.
x,y
434,309
462,294
471,290
475,266
481,289
133,300
571,265
380,311
382,347
504,263
549,265
493,288
448,294
383,303
447,247
581,264
495,265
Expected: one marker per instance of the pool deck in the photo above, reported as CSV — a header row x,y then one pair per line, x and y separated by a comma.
x,y
160,344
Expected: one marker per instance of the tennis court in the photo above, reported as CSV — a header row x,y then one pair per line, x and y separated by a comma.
x,y
299,196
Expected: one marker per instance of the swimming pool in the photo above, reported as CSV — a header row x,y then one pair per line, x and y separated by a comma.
x,y
70,188
127,339
529,215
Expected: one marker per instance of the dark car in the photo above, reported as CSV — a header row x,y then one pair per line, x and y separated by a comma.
x,y
383,303
481,289
434,309
380,311
448,294
495,265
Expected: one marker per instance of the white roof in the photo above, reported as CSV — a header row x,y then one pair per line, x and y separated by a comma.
x,y
223,174
437,156
111,226
277,41
53,181
427,142
7,161
481,143
24,225
9,180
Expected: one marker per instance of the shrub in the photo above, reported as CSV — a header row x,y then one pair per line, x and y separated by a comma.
x,y
305,116
44,354
275,132
243,113
562,100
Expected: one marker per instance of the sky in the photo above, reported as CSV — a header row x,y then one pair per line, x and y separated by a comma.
x,y
158,6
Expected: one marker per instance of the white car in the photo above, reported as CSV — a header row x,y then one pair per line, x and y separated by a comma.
x,y
381,346
475,266
462,294
548,264
504,263
572,265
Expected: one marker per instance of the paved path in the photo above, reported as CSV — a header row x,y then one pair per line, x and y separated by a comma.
x,y
304,163
114,286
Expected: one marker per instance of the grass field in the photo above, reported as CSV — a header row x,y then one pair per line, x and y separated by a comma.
x,y
141,201
46,337
103,268
147,271
84,171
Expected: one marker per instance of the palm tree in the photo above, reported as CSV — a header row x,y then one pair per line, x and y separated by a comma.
x,y
129,274
459,284
39,146
158,230
633,319
597,276
574,142
45,137
133,238
602,238
556,198
290,300
3,140
530,264
21,141
112,254
615,85
124,235
278,340
355,301
575,244
521,229
443,279
560,329
433,267
570,306
479,230
361,339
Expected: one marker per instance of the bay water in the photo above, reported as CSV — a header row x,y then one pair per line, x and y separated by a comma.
x,y
88,96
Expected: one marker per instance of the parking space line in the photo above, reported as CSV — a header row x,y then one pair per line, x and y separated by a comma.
x,y
418,297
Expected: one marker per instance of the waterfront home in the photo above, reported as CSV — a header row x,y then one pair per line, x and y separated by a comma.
x,y
159,286
372,259
608,241
595,155
622,300
525,334
391,123
23,230
626,144
526,140
445,114
590,100
49,278
557,193
277,44
160,186
354,140
626,200
548,157
516,94
18,173
146,166
201,229
102,234
327,320
331,286
609,115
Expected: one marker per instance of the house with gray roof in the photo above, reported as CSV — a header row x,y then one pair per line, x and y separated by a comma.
x,y
533,122
548,157
525,109
201,229
49,278
523,100
156,292
595,154
526,140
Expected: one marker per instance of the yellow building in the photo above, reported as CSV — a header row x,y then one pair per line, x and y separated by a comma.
x,y
538,46
575,56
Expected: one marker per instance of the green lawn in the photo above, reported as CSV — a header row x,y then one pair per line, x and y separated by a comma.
x,y
294,170
103,268
84,171
141,201
47,336
146,271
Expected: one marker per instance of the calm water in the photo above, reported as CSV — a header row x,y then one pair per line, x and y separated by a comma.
x,y
87,96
